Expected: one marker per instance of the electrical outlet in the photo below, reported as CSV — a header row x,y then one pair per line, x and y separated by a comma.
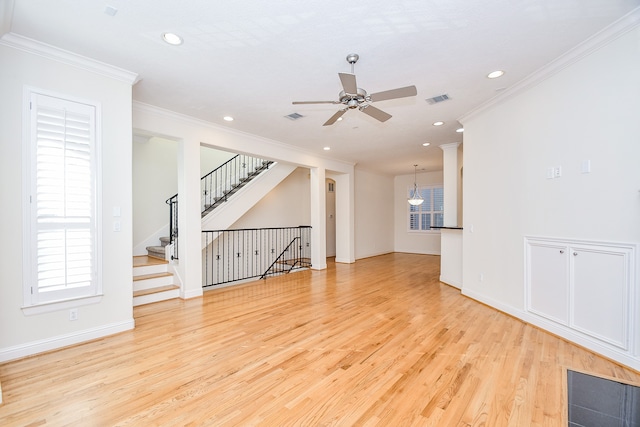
x,y
549,173
557,172
481,277
73,314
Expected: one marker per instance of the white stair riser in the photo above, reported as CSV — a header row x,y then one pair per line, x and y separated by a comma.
x,y
156,282
158,296
150,269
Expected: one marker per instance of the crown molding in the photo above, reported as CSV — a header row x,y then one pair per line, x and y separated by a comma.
x,y
200,123
450,146
610,33
44,50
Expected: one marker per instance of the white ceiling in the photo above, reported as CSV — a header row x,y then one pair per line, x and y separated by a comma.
x,y
251,58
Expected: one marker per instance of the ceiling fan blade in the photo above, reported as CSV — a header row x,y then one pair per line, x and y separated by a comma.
x,y
349,83
335,117
315,102
376,113
402,92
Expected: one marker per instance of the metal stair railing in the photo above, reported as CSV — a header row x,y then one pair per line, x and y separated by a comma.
x,y
234,255
217,187
284,260
221,183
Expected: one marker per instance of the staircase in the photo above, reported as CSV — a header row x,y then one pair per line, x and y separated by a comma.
x,y
159,251
152,277
152,280
219,197
217,188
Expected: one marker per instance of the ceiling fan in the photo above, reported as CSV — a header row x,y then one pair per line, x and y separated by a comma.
x,y
354,97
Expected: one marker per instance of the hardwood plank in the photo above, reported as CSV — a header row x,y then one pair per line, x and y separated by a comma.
x,y
377,343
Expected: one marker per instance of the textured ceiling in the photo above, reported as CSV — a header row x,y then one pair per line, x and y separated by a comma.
x,y
250,59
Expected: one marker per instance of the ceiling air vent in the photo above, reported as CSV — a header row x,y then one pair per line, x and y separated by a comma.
x,y
294,116
437,99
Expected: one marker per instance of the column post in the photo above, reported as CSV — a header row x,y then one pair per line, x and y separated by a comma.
x,y
318,224
189,265
450,175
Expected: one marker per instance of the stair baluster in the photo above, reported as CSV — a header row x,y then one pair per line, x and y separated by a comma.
x,y
217,186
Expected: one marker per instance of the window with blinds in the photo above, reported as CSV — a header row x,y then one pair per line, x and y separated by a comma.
x,y
62,200
428,214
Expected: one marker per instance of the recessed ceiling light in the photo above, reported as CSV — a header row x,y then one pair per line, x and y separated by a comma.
x,y
110,10
426,144
172,38
460,130
227,118
438,123
327,148
339,119
495,74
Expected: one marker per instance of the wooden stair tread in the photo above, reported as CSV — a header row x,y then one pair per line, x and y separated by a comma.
x,y
143,260
155,290
151,276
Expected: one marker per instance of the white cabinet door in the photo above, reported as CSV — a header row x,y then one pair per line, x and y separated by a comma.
x,y
600,293
548,281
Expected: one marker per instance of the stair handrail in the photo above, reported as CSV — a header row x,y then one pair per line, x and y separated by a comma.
x,y
234,255
216,188
286,249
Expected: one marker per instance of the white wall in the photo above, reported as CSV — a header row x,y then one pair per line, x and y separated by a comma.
x,y
287,205
588,110
155,179
19,334
406,241
374,214
190,131
211,158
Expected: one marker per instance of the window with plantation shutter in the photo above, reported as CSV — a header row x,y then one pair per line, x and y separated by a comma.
x,y
428,214
63,232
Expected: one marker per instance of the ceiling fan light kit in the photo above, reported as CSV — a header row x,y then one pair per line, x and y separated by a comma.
x,y
352,97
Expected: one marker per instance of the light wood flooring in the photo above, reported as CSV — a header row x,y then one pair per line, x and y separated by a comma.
x,y
377,343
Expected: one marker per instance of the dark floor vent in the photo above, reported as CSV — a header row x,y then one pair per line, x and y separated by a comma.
x,y
600,402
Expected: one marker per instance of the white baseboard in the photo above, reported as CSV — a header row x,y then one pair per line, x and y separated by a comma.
x,y
570,335
40,346
453,283
191,293
320,267
512,311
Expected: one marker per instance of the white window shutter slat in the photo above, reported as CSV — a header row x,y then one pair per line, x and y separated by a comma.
x,y
63,203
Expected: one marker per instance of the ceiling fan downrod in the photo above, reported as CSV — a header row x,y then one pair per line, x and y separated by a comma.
x,y
352,58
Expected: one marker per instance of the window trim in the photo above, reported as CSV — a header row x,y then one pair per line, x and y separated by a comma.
x,y
30,305
408,207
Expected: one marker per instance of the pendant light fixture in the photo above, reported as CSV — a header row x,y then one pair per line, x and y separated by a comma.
x,y
415,199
